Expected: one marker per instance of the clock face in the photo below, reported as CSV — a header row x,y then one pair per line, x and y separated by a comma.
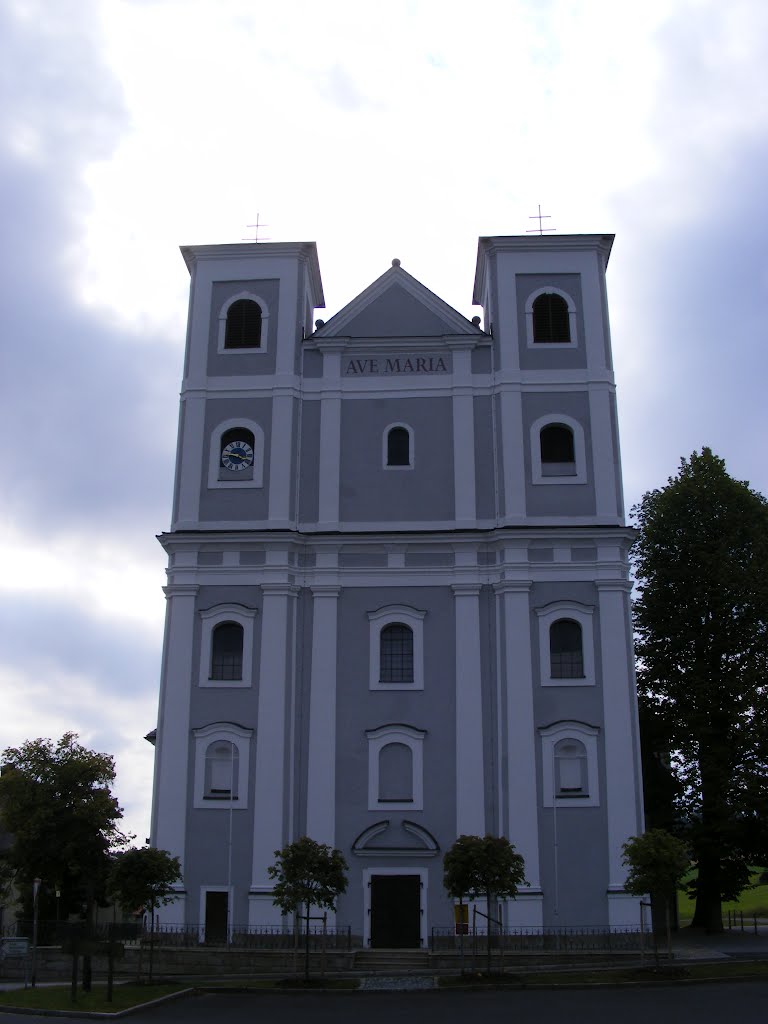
x,y
237,455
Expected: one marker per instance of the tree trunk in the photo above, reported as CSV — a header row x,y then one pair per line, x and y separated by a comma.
x,y
708,913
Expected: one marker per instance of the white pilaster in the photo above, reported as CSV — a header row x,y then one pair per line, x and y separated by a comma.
x,y
171,797
330,440
512,455
470,787
464,454
191,460
622,781
281,459
270,781
521,818
604,458
321,758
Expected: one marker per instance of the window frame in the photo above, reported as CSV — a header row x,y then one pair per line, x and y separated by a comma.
x,y
414,619
205,737
385,447
583,614
256,478
209,619
579,450
572,320
586,735
222,330
410,737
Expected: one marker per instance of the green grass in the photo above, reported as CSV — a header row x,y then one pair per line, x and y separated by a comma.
x,y
751,901
57,997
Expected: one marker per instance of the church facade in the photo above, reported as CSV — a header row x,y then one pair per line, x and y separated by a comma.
x,y
398,596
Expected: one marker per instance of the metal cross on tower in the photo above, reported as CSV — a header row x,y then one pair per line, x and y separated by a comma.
x,y
539,217
257,227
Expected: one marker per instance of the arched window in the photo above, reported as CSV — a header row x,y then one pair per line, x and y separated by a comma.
x,y
221,770
243,328
551,322
566,655
395,773
227,651
237,452
396,653
558,457
571,776
396,768
398,447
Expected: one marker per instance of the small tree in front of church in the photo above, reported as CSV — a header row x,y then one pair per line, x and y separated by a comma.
x,y
657,862
308,874
483,866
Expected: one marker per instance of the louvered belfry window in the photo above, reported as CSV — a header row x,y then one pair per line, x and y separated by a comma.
x,y
556,442
398,447
243,325
551,322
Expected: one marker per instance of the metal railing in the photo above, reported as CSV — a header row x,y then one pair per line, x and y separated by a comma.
x,y
566,939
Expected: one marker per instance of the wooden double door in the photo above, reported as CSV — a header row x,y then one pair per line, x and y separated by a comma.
x,y
395,911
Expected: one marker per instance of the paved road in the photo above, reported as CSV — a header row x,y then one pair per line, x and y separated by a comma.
x,y
705,1004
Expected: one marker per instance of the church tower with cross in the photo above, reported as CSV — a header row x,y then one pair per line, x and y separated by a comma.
x,y
398,593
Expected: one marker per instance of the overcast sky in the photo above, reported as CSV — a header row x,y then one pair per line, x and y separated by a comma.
x,y
401,129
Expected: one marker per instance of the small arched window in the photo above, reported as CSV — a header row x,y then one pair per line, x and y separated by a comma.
x,y
396,653
237,453
558,457
571,768
227,651
222,760
566,653
243,328
395,773
551,322
398,447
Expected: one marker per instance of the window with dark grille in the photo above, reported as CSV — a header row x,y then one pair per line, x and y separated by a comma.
x,y
396,654
398,447
556,444
227,651
566,655
243,325
551,322
222,760
571,768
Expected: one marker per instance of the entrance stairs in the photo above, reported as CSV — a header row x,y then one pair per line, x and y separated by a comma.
x,y
392,962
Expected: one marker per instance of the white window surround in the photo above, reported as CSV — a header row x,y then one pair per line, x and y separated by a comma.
x,y
214,464
581,613
212,617
579,450
550,737
550,290
414,740
414,619
253,297
411,451
230,733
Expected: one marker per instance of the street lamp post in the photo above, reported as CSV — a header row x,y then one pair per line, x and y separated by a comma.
x,y
35,895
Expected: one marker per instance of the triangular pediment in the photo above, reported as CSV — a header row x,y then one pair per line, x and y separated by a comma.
x,y
396,305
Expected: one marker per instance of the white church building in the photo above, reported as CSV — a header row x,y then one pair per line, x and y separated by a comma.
x,y
398,607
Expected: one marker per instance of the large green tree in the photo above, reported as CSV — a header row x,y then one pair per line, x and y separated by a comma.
x,y
483,866
56,801
701,622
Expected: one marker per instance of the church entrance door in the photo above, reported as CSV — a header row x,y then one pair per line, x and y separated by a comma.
x,y
216,907
395,911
